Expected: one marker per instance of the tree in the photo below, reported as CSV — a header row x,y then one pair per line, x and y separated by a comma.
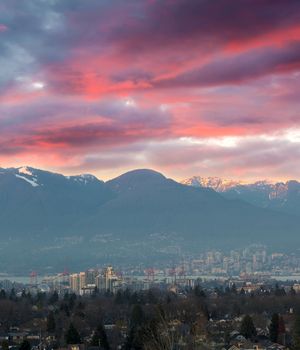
x,y
100,338
233,289
51,322
25,345
72,336
274,328
248,329
2,294
279,292
242,291
158,335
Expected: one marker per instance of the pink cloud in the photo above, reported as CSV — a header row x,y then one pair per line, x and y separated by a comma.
x,y
199,69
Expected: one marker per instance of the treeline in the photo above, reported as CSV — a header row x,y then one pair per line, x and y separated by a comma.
x,y
154,319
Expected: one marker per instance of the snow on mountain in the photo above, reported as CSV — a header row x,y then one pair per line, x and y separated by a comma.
x,y
32,182
26,174
45,208
25,170
283,196
83,178
35,177
216,183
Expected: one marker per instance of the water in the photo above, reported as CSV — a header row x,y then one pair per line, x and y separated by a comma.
x,y
26,279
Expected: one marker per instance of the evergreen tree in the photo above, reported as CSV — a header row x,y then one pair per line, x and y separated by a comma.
x,y
100,338
2,294
248,329
95,292
72,336
227,290
233,289
274,327
12,295
242,291
279,292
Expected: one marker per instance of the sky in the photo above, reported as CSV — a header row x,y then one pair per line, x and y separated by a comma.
x,y
194,87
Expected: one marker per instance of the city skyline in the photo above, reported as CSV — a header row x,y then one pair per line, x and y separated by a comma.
x,y
185,88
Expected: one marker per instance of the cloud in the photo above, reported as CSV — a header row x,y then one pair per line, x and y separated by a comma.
x,y
46,125
240,68
118,84
255,157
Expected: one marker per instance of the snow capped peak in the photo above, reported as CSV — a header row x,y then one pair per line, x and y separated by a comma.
x,y
269,189
87,176
263,183
24,173
82,178
216,183
25,170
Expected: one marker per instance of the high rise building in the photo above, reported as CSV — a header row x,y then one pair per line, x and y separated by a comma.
x,y
107,280
74,283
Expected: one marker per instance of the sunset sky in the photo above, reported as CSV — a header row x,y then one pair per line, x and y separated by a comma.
x,y
194,87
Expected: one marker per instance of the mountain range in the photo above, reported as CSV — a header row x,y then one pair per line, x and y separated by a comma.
x,y
49,220
279,196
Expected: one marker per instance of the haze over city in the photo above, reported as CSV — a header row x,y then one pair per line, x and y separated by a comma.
x,y
184,87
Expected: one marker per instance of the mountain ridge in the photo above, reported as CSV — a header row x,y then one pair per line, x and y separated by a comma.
x,y
46,217
283,196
